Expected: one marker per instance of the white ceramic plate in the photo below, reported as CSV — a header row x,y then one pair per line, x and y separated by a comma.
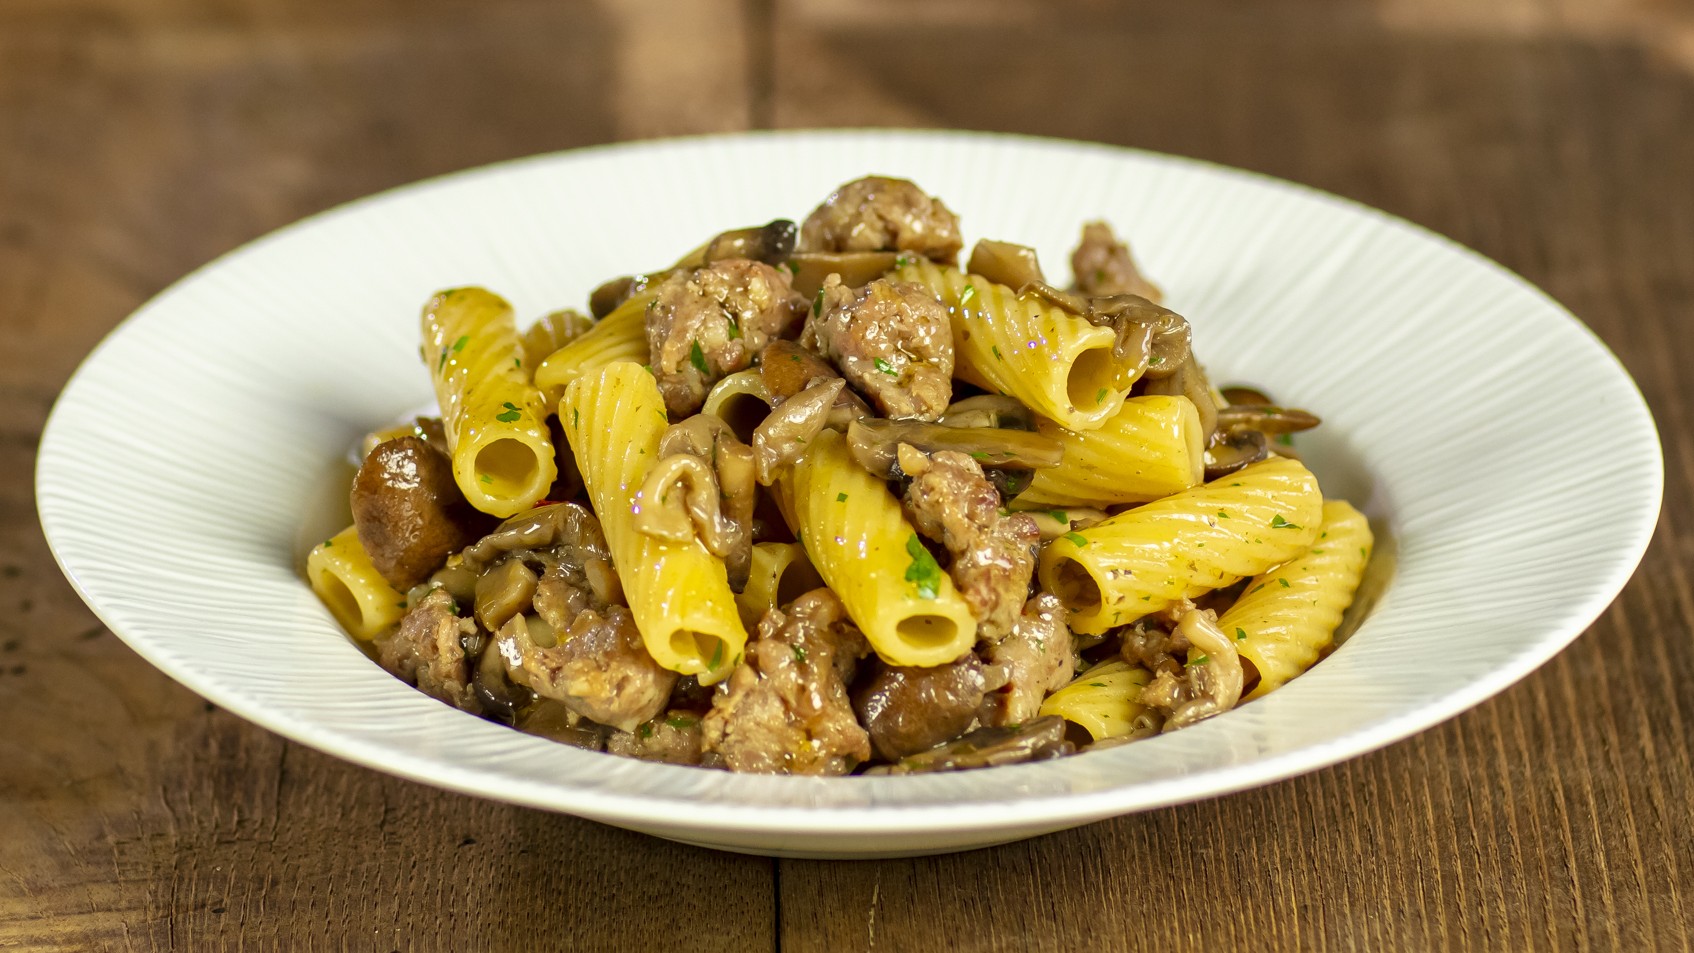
x,y
191,458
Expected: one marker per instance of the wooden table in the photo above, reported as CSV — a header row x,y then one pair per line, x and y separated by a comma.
x,y
140,138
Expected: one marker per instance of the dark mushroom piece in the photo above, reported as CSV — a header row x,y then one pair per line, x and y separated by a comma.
x,y
856,268
1266,418
1236,449
503,592
1037,740
786,369
409,512
782,437
908,710
1155,340
994,411
875,445
501,699
702,487
1005,263
1189,381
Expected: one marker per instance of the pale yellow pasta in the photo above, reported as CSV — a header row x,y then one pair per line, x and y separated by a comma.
x,y
781,573
740,401
494,419
1203,538
551,332
678,592
1288,615
1105,700
864,548
1058,364
619,336
1151,448
341,573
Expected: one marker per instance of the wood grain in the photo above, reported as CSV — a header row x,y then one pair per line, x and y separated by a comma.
x,y
140,139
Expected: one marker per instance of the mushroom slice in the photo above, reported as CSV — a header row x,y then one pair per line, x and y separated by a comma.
x,y
875,444
988,410
787,369
771,243
1266,418
702,487
1237,449
1155,338
1035,740
856,268
1211,678
782,437
1005,263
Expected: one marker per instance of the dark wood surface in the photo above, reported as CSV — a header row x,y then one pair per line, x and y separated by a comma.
x,y
138,139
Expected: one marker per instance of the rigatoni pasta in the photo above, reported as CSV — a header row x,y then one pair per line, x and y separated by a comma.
x,y
619,336
1105,701
503,457
341,574
1152,447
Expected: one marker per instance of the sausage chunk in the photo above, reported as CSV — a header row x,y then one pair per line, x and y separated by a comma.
x,y
950,501
672,739
1035,659
892,340
427,650
1103,266
907,710
877,213
409,512
706,323
599,667
785,710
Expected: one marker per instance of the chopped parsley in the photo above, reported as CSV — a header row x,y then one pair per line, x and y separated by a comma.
x,y
576,418
996,349
1060,515
793,268
734,329
1078,539
1240,634
697,358
1096,684
1100,395
517,362
840,497
799,653
328,543
645,729
1223,515
1199,660
904,261
1286,439
488,479
1285,584
923,572
979,455
1155,360
886,368
459,345
717,655
680,722
1277,522
967,294
510,415
817,303
441,365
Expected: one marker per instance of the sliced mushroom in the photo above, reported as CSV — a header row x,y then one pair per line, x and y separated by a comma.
x,y
702,487
1236,449
1037,740
1006,263
782,437
1266,418
503,592
1057,522
500,697
1211,678
787,369
875,445
989,410
856,268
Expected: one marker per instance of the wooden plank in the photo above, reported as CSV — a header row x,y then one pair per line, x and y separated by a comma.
x,y
138,140
1554,817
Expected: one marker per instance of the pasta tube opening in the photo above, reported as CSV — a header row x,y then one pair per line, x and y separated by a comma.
x,y
509,468
739,401
1093,380
927,633
1076,585
797,579
340,572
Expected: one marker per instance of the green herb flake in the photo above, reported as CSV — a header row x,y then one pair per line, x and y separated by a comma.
x,y
1100,395
1060,515
510,415
1240,634
840,497
1199,660
1277,522
717,655
923,572
734,329
1316,550
1155,360
1096,684
680,722
817,303
488,479
328,543
1363,553
979,455
793,268
997,355
886,368
441,365
1285,584
400,605
1286,439
967,294
517,362
576,418
799,653
459,345
1077,539
1223,514
698,358
904,261
645,729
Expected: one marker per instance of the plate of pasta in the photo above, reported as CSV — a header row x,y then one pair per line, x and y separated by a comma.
x,y
848,493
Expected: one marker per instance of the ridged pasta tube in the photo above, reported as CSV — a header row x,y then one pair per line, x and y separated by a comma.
x,y
1105,700
619,336
1203,538
1288,615
678,592
864,548
341,573
551,332
780,573
495,421
1058,364
1151,448
740,401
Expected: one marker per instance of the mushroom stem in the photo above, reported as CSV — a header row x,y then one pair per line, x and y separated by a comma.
x,y
875,444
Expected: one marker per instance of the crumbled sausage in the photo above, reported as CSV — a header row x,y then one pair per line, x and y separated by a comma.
x,y
599,667
1037,658
427,650
785,709
877,213
706,323
892,340
950,501
1103,266
673,738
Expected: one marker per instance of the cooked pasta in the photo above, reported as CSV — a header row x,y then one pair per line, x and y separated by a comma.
x,y
341,573
867,552
1151,448
781,573
503,457
619,336
1105,701
678,592
1058,364
813,500
1288,615
1204,538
